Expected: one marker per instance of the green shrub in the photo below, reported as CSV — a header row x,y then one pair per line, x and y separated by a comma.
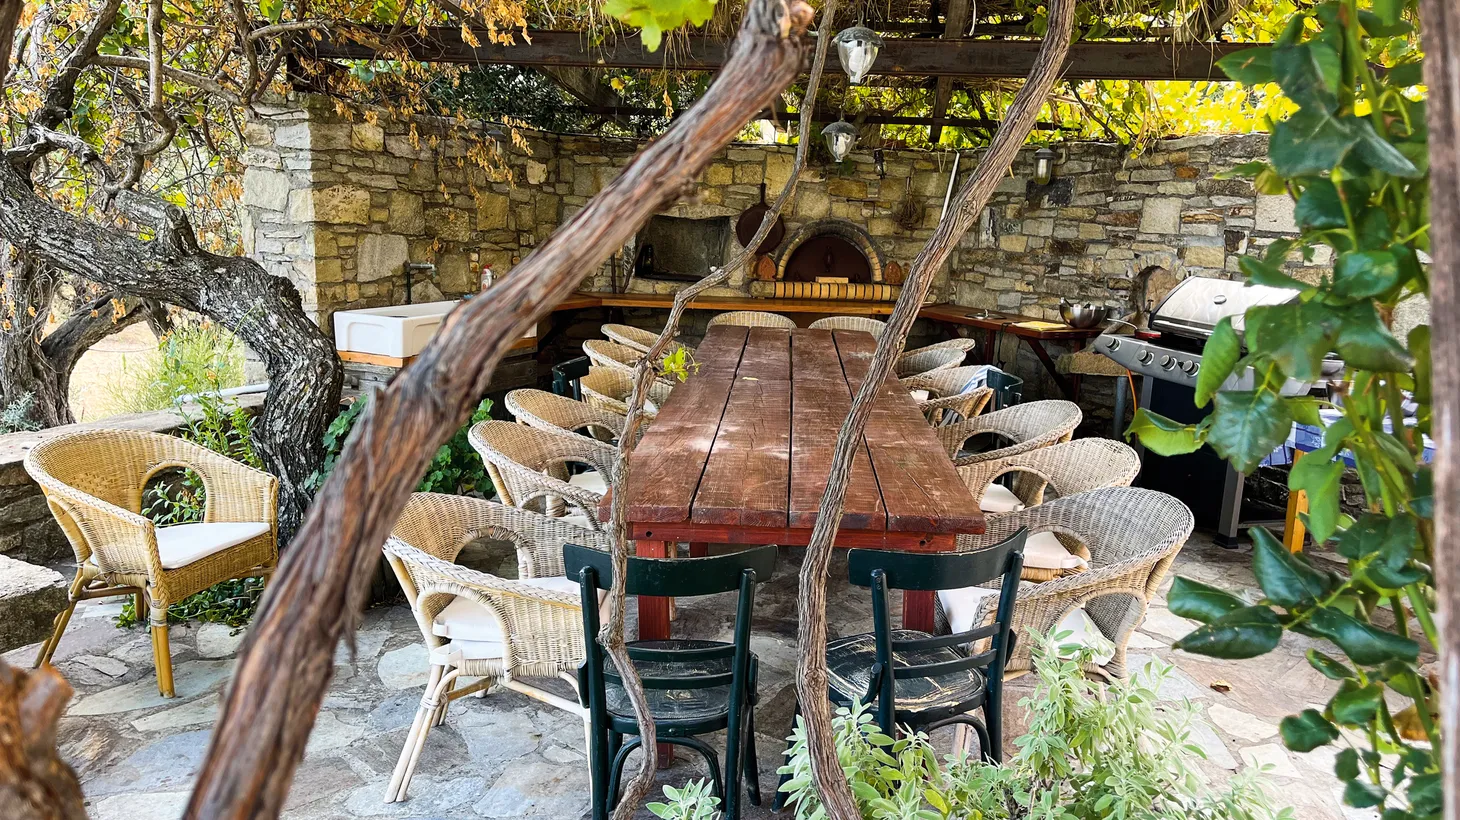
x,y
195,358
1091,752
16,417
456,468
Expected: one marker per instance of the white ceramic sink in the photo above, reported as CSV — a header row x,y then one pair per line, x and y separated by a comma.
x,y
399,332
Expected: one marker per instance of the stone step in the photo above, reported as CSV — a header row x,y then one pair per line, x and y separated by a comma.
x,y
30,599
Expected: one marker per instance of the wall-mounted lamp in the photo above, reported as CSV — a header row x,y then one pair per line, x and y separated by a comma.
x,y
841,138
856,49
1044,162
879,158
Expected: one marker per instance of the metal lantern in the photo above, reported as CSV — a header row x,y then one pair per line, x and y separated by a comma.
x,y
856,49
841,138
1044,160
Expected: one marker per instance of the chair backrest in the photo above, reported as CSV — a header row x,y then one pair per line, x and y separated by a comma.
x,y
1026,427
613,355
560,414
566,376
442,525
530,466
866,324
754,318
965,345
722,664
609,389
630,336
926,361
910,571
1069,468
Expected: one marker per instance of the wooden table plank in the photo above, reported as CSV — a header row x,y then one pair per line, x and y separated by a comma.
x,y
767,355
921,489
747,478
819,404
718,354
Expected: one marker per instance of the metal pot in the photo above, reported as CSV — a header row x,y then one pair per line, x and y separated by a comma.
x,y
1083,315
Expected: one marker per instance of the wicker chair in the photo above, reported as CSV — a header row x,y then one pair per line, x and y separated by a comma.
x,y
94,480
1073,467
612,354
635,337
946,395
1132,536
1028,426
862,323
917,362
560,414
754,318
480,626
529,468
609,389
965,345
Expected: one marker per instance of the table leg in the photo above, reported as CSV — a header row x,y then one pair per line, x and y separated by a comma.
x,y
699,549
917,610
1070,392
1293,530
654,623
990,345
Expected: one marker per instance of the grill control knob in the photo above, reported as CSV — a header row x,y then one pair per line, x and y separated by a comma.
x,y
1190,368
1168,362
1113,344
1146,357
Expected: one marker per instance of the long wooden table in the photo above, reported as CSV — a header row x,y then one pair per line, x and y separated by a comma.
x,y
740,454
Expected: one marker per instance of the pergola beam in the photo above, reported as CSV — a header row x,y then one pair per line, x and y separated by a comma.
x,y
823,115
900,57
954,27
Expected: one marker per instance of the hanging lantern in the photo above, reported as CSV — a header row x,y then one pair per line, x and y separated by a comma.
x,y
841,138
856,49
1044,160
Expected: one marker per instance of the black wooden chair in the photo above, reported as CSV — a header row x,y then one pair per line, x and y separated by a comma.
x,y
566,376
917,681
694,687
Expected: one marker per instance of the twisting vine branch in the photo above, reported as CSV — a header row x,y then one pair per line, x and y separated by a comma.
x,y
811,678
611,636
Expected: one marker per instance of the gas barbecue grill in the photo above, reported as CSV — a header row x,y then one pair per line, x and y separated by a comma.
x,y
1168,355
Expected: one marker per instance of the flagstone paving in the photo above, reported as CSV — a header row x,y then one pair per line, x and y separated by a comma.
x,y
504,755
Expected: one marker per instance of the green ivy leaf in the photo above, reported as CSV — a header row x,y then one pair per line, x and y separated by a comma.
x,y
1381,155
1362,794
1320,478
1250,66
1164,436
1363,643
1328,667
1295,336
1218,357
1307,730
1406,75
1346,764
1285,578
1247,425
1364,274
1364,537
1426,794
1309,74
1310,142
1241,633
1267,272
1319,207
1199,602
1364,343
1355,705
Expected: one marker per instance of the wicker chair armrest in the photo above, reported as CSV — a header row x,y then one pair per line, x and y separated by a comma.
x,y
236,491
585,501
118,539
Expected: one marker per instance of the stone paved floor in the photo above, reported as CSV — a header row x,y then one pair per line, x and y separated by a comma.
x,y
508,756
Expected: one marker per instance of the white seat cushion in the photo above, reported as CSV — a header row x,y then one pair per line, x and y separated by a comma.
x,y
466,620
920,395
961,606
591,481
577,519
1044,551
183,544
457,651
999,499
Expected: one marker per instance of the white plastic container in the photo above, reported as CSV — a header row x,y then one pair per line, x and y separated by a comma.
x,y
399,332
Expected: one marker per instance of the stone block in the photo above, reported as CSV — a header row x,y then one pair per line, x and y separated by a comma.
x,y
536,172
777,171
294,135
336,204
330,136
1039,227
847,188
367,137
814,203
1275,214
381,255
30,599
449,224
453,271
1161,215
263,188
492,209
406,213
1203,256
1013,242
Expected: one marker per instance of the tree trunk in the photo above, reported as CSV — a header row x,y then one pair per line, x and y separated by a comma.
x,y
263,310
35,784
811,678
320,588
24,367
1441,39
